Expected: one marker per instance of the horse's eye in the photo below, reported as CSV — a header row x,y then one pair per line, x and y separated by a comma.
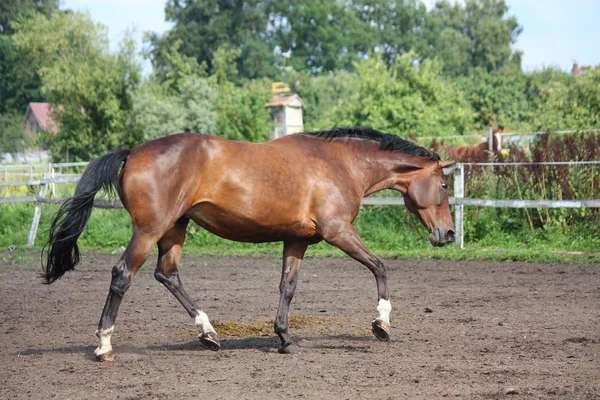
x,y
445,185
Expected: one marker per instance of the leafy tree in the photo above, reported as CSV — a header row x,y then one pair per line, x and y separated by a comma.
x,y
13,138
156,114
224,67
574,106
89,87
178,68
498,99
322,93
11,10
474,34
19,84
204,26
398,26
241,110
405,98
322,35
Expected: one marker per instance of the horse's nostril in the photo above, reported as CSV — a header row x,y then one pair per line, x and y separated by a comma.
x,y
450,234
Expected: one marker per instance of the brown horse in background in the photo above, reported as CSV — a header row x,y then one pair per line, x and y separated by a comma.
x,y
299,189
471,154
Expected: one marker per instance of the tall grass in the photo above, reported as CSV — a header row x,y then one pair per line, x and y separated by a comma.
x,y
387,230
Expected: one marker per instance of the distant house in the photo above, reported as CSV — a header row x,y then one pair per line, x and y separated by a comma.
x,y
39,118
287,113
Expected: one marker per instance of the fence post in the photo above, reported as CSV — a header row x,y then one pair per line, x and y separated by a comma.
x,y
37,212
53,185
459,193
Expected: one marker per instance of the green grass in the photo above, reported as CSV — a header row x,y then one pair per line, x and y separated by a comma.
x,y
388,231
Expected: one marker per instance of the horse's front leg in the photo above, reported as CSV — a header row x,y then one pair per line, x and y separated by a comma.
x,y
293,253
346,239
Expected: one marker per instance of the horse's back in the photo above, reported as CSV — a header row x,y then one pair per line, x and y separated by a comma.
x,y
238,190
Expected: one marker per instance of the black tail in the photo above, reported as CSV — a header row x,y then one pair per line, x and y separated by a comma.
x,y
73,215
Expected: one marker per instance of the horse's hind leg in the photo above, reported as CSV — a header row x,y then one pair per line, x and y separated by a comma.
x,y
293,253
137,252
167,273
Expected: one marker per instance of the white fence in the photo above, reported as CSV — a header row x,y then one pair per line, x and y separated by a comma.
x,y
458,200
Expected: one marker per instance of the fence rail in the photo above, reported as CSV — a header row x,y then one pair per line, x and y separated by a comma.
x,y
458,200
525,134
18,171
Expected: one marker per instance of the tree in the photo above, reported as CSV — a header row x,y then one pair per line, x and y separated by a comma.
x,y
474,34
241,110
322,35
398,25
17,85
178,68
571,106
498,99
13,138
322,93
405,98
156,113
89,87
204,26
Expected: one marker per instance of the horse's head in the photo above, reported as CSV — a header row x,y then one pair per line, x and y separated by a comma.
x,y
426,196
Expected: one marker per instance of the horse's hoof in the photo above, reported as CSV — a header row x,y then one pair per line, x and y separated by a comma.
x,y
210,340
109,356
289,348
381,330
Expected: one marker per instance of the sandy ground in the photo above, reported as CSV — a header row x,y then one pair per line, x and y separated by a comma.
x,y
460,330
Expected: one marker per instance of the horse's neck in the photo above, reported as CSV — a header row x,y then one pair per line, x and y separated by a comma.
x,y
381,170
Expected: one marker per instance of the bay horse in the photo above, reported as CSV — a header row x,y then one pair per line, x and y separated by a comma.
x,y
299,189
472,154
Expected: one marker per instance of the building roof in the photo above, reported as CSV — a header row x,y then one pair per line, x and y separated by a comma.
x,y
44,116
283,100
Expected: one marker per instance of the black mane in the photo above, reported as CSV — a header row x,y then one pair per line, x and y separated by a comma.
x,y
386,141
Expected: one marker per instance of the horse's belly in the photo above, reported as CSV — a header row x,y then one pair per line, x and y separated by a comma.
x,y
249,227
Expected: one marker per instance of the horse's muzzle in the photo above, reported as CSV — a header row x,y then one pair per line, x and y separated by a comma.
x,y
441,237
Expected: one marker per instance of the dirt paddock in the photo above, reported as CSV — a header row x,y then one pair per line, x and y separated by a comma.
x,y
460,330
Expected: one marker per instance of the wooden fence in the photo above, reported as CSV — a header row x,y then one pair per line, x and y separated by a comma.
x,y
458,200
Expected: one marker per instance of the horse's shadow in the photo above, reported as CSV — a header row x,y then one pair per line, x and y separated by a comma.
x,y
265,344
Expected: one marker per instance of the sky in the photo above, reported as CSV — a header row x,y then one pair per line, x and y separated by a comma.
x,y
555,32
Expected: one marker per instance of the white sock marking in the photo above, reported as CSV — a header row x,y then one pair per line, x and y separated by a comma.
x,y
202,321
104,336
384,307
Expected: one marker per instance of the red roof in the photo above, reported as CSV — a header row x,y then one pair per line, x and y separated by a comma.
x,y
44,116
282,100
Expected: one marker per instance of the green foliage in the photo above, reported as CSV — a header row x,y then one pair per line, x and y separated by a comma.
x,y
241,110
388,231
11,10
395,26
571,104
89,87
323,35
156,114
405,98
13,138
474,34
498,99
224,69
177,69
322,93
204,26
19,81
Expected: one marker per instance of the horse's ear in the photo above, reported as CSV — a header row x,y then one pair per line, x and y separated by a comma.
x,y
446,164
